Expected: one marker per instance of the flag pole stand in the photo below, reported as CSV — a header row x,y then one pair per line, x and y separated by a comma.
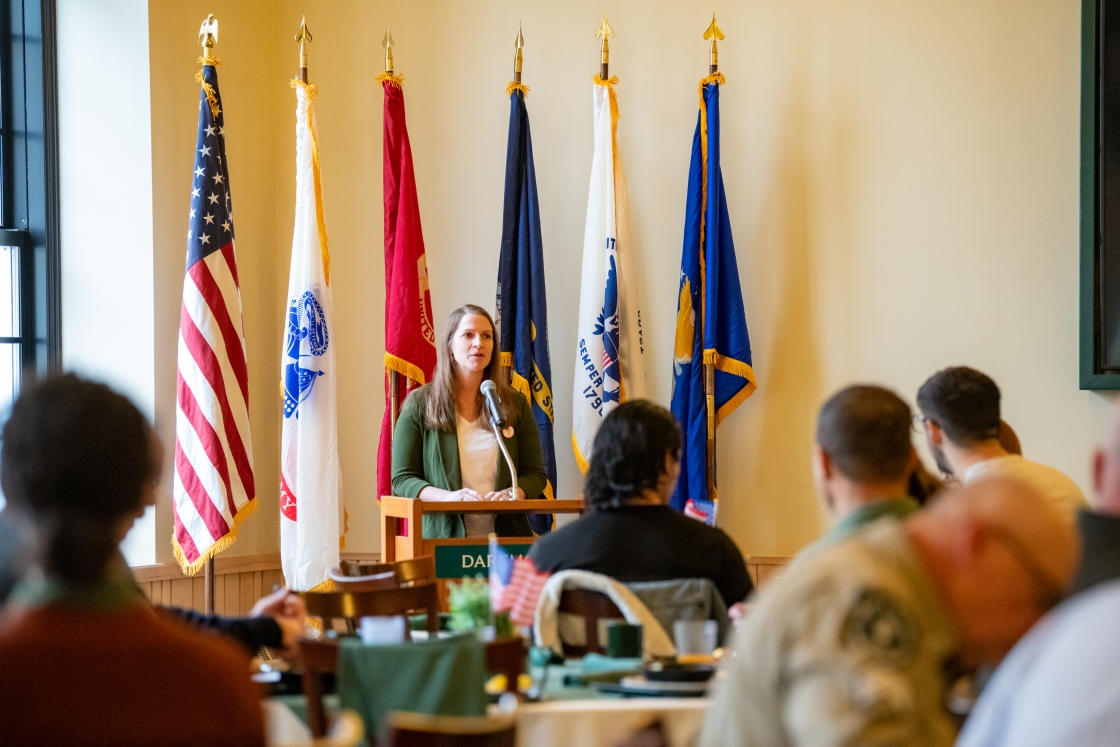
x,y
710,400
208,588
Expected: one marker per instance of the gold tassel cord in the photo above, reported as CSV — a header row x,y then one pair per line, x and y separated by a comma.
x,y
209,59
312,91
211,96
515,86
397,81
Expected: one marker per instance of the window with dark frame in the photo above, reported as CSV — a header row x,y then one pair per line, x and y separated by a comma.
x,y
30,278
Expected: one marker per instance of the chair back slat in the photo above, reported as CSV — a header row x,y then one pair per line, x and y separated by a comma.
x,y
351,605
406,571
592,606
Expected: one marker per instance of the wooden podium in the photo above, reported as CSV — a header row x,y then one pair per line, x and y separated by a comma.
x,y
458,557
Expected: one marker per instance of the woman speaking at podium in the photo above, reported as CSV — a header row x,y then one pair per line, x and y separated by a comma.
x,y
444,448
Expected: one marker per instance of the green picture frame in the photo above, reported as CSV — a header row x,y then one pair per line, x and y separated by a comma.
x,y
1092,376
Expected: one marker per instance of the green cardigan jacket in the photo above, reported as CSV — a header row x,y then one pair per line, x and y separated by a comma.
x,y
423,456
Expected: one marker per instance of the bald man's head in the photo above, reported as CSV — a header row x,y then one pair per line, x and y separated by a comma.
x,y
1000,554
1106,468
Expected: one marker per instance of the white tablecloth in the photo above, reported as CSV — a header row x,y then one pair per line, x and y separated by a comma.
x,y
600,723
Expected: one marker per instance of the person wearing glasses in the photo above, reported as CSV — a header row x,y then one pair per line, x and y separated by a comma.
x,y
863,460
859,642
960,415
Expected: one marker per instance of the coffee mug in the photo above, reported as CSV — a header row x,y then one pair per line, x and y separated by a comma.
x,y
624,641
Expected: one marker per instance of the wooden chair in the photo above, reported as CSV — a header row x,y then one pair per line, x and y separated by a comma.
x,y
320,657
421,730
406,572
592,607
391,602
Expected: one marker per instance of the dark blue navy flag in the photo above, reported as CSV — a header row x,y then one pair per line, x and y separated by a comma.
x,y
711,323
522,310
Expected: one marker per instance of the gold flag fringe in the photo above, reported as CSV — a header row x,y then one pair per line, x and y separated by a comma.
x,y
397,81
191,569
580,461
404,368
735,368
324,247
515,86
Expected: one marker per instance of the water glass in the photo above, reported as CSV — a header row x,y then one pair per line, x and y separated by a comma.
x,y
696,637
381,630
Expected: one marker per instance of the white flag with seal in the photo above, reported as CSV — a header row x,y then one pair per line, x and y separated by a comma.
x,y
610,366
312,518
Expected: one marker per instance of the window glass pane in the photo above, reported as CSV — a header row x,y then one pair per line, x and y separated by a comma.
x,y
9,291
9,376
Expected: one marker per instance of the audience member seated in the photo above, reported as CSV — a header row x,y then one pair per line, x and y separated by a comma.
x,y
630,533
1058,686
852,646
85,659
863,459
960,413
275,621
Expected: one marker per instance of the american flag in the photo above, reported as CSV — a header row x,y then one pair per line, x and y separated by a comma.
x,y
213,477
515,585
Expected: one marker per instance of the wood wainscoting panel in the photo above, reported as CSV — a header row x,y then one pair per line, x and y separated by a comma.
x,y
238,582
766,568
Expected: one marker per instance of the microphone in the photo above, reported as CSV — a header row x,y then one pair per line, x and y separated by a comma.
x,y
489,391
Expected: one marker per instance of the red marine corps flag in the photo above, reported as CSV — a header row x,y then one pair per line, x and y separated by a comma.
x,y
213,487
410,343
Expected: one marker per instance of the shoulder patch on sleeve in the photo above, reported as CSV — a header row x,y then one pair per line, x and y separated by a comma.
x,y
876,620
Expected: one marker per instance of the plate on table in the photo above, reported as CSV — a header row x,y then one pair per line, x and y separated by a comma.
x,y
677,672
641,686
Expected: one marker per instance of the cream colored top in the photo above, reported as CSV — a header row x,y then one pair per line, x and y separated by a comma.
x,y
478,465
1061,491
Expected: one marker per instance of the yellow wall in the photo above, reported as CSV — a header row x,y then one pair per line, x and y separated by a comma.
x,y
901,177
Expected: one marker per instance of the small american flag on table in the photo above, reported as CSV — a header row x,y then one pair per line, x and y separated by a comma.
x,y
213,477
515,585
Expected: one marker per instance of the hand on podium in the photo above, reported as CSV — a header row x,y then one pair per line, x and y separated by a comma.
x,y
505,495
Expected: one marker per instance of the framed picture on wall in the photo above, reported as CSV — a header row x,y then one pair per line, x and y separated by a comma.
x,y
1100,195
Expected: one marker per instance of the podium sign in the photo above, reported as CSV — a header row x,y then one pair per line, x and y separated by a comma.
x,y
463,561
402,527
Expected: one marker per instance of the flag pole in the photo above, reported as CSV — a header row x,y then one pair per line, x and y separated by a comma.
x,y
605,32
394,376
712,33
303,36
506,372
207,36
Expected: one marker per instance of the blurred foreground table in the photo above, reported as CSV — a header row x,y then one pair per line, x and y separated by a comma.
x,y
601,723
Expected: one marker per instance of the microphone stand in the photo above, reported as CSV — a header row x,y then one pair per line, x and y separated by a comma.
x,y
494,422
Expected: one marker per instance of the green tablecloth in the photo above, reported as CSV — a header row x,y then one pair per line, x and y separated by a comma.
x,y
568,681
443,676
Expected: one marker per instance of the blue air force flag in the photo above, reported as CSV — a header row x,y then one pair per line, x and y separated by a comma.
x,y
522,309
609,355
711,324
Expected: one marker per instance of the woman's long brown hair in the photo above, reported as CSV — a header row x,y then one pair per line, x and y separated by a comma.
x,y
441,413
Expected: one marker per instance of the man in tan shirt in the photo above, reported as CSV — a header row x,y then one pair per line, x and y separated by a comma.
x,y
857,644
960,409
